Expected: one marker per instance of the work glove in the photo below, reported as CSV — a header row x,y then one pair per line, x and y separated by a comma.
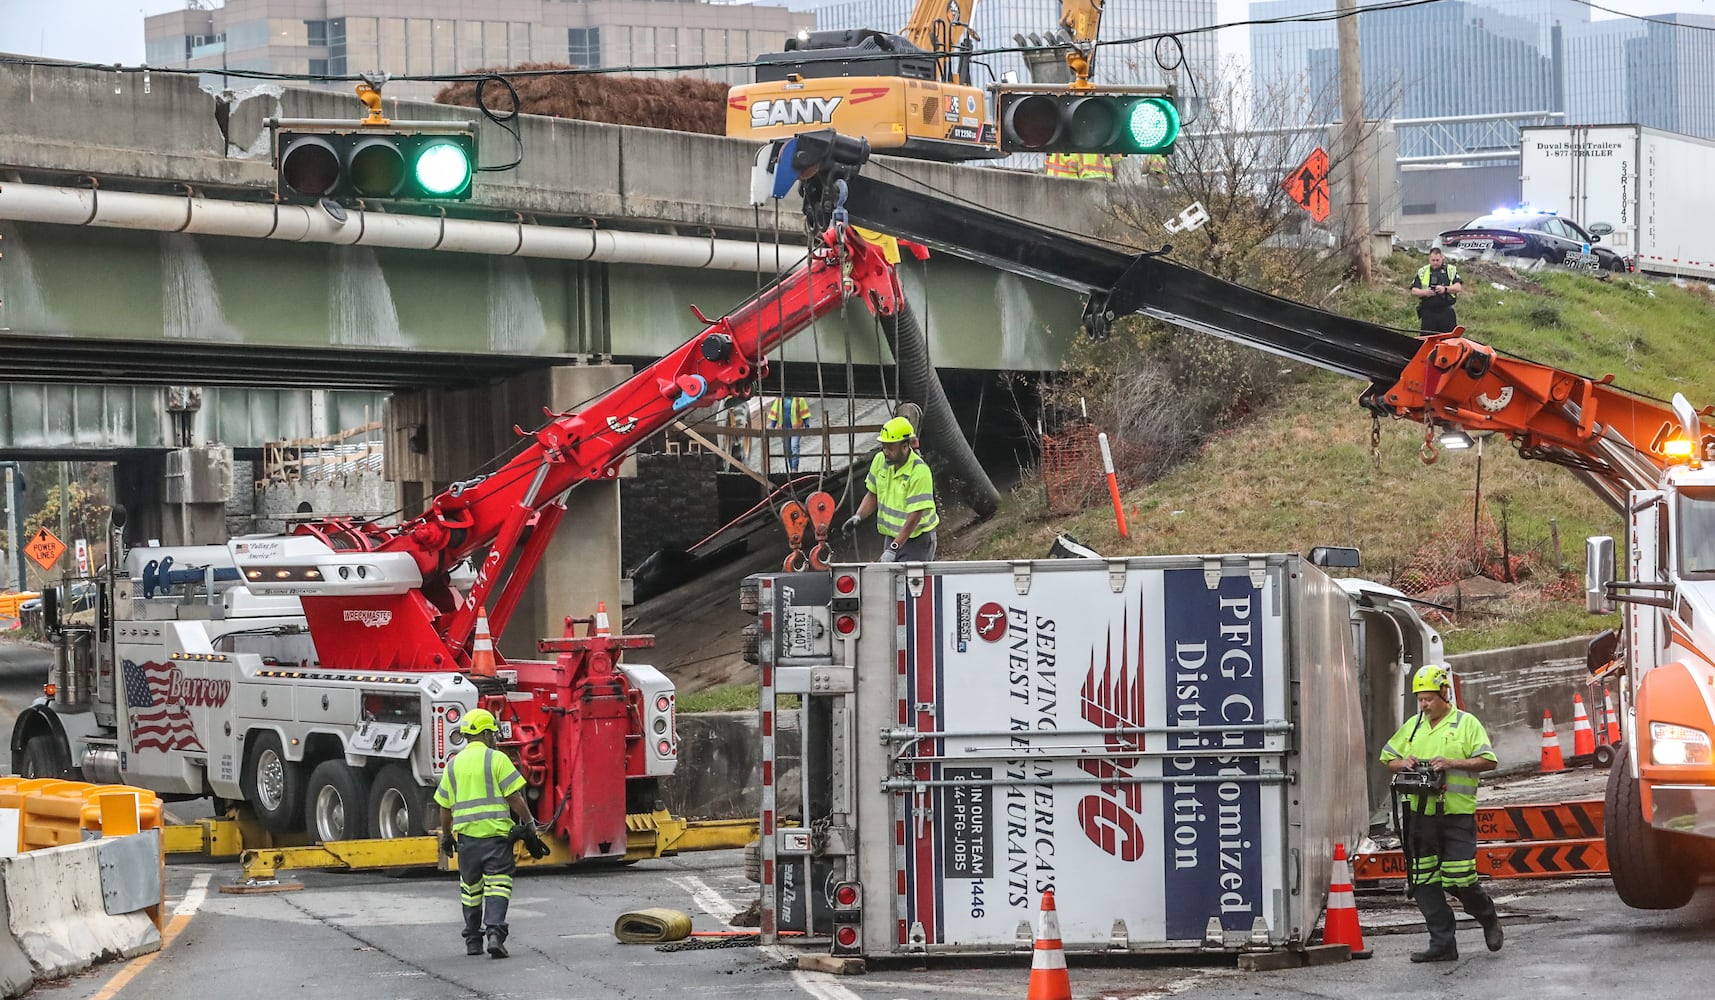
x,y
449,843
534,843
851,523
890,555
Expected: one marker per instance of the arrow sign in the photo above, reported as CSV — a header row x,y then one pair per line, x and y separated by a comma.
x,y
1307,184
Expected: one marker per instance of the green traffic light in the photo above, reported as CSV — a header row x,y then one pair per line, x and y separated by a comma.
x,y
442,169
1153,124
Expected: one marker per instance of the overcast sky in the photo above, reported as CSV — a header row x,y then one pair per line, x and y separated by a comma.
x,y
110,31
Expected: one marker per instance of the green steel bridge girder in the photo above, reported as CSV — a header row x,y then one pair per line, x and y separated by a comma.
x,y
186,291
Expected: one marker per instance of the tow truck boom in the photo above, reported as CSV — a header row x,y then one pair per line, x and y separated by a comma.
x,y
505,518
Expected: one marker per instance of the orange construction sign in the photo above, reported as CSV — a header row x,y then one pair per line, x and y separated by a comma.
x,y
45,549
1307,184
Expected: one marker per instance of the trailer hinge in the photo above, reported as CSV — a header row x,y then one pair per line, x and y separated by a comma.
x,y
1116,575
1119,939
1021,578
1024,938
1212,574
1259,571
1259,935
916,941
914,581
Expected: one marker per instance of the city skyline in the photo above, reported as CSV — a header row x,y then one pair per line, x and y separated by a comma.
x,y
107,31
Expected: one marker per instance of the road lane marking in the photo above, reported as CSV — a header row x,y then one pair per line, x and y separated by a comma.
x,y
182,915
817,984
712,902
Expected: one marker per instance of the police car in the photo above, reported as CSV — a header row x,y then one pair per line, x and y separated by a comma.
x,y
1534,235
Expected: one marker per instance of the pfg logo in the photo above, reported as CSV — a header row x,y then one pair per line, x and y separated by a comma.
x,y
794,111
370,619
991,622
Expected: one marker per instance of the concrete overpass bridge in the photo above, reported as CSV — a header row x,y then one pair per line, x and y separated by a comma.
x,y
143,250
159,308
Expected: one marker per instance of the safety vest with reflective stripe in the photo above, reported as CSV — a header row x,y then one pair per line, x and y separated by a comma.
x,y
1457,736
1061,165
475,786
900,491
1096,166
800,412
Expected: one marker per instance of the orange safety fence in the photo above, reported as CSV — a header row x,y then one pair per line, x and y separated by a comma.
x,y
1547,840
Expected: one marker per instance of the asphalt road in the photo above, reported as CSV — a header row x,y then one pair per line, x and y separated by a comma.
x,y
23,670
366,936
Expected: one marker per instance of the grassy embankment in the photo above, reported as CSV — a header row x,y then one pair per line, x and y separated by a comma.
x,y
1300,472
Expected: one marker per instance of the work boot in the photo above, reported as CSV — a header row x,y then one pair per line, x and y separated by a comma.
x,y
473,946
496,945
1492,933
1435,956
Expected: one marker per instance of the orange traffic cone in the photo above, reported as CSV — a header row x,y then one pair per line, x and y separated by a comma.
x,y
1340,923
601,625
1583,737
1613,720
1552,762
1048,978
482,649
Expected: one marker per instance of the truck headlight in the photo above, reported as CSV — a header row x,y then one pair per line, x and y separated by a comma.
x,y
1675,744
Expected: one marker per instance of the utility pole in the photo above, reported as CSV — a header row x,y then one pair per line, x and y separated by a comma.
x,y
1351,140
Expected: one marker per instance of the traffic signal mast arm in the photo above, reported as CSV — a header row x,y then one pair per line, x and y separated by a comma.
x,y
1612,439
504,519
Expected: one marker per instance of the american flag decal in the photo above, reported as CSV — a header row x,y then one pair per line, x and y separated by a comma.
x,y
156,725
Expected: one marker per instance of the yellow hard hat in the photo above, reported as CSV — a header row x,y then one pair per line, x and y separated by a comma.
x,y
1430,677
897,429
478,720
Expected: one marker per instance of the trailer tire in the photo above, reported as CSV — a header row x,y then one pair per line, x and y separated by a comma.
x,y
398,806
753,861
336,802
272,785
1651,870
750,643
750,595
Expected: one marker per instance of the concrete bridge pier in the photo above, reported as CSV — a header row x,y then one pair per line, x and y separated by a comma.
x,y
176,497
436,437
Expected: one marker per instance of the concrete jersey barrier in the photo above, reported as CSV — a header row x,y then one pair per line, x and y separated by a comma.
x,y
68,907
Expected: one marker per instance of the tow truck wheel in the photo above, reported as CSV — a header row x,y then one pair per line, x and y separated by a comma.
x,y
398,806
43,757
1651,871
273,785
336,802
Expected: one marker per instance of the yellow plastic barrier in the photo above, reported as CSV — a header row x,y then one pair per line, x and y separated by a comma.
x,y
52,812
9,603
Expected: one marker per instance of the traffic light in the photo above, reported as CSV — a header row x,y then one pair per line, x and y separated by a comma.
x,y
1122,120
420,160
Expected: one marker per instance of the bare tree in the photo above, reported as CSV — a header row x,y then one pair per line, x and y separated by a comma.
x,y
1235,166
1160,392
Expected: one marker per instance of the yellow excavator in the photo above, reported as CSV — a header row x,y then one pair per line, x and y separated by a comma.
x,y
910,94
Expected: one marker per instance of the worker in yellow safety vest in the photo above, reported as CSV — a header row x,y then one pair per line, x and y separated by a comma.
x,y
1447,749
1080,166
901,495
796,413
479,794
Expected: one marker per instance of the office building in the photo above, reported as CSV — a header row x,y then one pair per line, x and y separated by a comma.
x,y
420,37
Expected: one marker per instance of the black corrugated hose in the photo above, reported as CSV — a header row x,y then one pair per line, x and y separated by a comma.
x,y
958,474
